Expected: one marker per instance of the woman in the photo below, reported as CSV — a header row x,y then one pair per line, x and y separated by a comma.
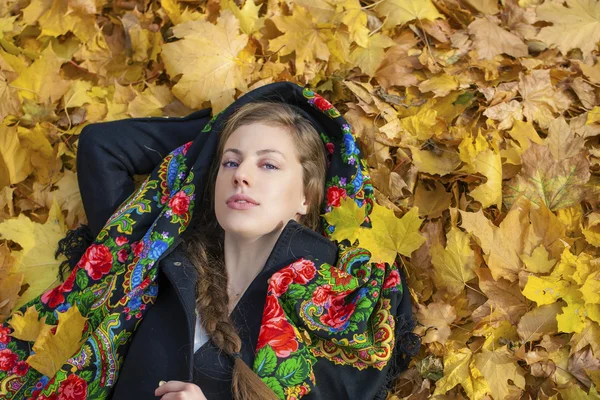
x,y
288,313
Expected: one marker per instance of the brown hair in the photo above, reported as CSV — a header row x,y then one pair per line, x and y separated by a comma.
x,y
204,242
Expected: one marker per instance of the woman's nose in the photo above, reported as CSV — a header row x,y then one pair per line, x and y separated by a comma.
x,y
241,175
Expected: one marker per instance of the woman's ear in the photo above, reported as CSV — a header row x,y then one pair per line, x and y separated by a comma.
x,y
303,209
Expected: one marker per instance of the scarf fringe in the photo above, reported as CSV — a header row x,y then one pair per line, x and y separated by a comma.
x,y
406,347
72,246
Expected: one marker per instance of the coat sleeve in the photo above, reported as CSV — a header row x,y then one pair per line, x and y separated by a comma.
x,y
110,153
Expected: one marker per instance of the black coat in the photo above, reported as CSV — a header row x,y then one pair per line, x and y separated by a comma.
x,y
109,155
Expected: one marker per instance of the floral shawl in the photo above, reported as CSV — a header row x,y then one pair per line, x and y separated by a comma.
x,y
70,342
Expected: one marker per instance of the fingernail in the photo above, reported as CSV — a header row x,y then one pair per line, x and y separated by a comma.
x,y
161,383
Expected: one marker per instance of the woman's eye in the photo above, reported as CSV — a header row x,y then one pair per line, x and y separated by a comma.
x,y
274,167
227,162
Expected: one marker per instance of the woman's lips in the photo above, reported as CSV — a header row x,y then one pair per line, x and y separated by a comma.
x,y
238,205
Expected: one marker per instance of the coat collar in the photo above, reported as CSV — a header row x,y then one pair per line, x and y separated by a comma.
x,y
294,242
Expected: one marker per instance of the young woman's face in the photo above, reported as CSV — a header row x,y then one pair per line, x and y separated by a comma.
x,y
259,161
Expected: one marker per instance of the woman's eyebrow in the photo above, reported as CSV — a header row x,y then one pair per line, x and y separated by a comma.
x,y
258,153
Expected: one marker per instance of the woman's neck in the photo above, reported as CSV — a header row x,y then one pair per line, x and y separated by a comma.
x,y
245,258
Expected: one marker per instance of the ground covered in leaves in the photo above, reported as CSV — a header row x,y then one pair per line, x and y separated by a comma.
x,y
480,115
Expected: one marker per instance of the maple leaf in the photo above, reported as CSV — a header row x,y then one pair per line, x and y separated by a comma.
x,y
302,35
346,218
208,57
28,326
525,134
491,40
15,158
431,163
436,318
458,370
58,17
36,259
370,56
545,179
453,265
399,12
498,368
53,350
539,322
540,98
250,22
353,16
397,67
390,235
41,81
502,244
575,26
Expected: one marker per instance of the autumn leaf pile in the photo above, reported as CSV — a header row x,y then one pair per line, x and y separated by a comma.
x,y
481,117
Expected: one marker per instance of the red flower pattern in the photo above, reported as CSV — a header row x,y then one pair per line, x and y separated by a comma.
x,y
4,338
334,196
21,368
97,261
276,331
8,359
121,240
74,388
179,203
392,279
54,297
322,103
338,312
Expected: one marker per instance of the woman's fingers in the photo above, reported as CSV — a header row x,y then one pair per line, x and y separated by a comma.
x,y
178,390
170,386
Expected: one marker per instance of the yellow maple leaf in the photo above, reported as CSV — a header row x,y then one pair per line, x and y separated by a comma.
x,y
28,326
57,17
489,193
370,56
454,265
498,368
52,351
250,22
302,35
575,26
539,261
36,259
41,81
353,16
432,163
458,370
390,235
346,218
14,157
524,133
209,58
440,85
399,12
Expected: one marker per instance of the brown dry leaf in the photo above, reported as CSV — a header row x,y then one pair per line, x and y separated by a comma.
x,y
575,26
544,178
498,368
491,40
541,101
436,319
539,322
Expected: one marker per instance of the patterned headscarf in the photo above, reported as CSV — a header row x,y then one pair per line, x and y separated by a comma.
x,y
346,313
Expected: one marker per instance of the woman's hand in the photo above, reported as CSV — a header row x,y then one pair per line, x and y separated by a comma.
x,y
177,390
